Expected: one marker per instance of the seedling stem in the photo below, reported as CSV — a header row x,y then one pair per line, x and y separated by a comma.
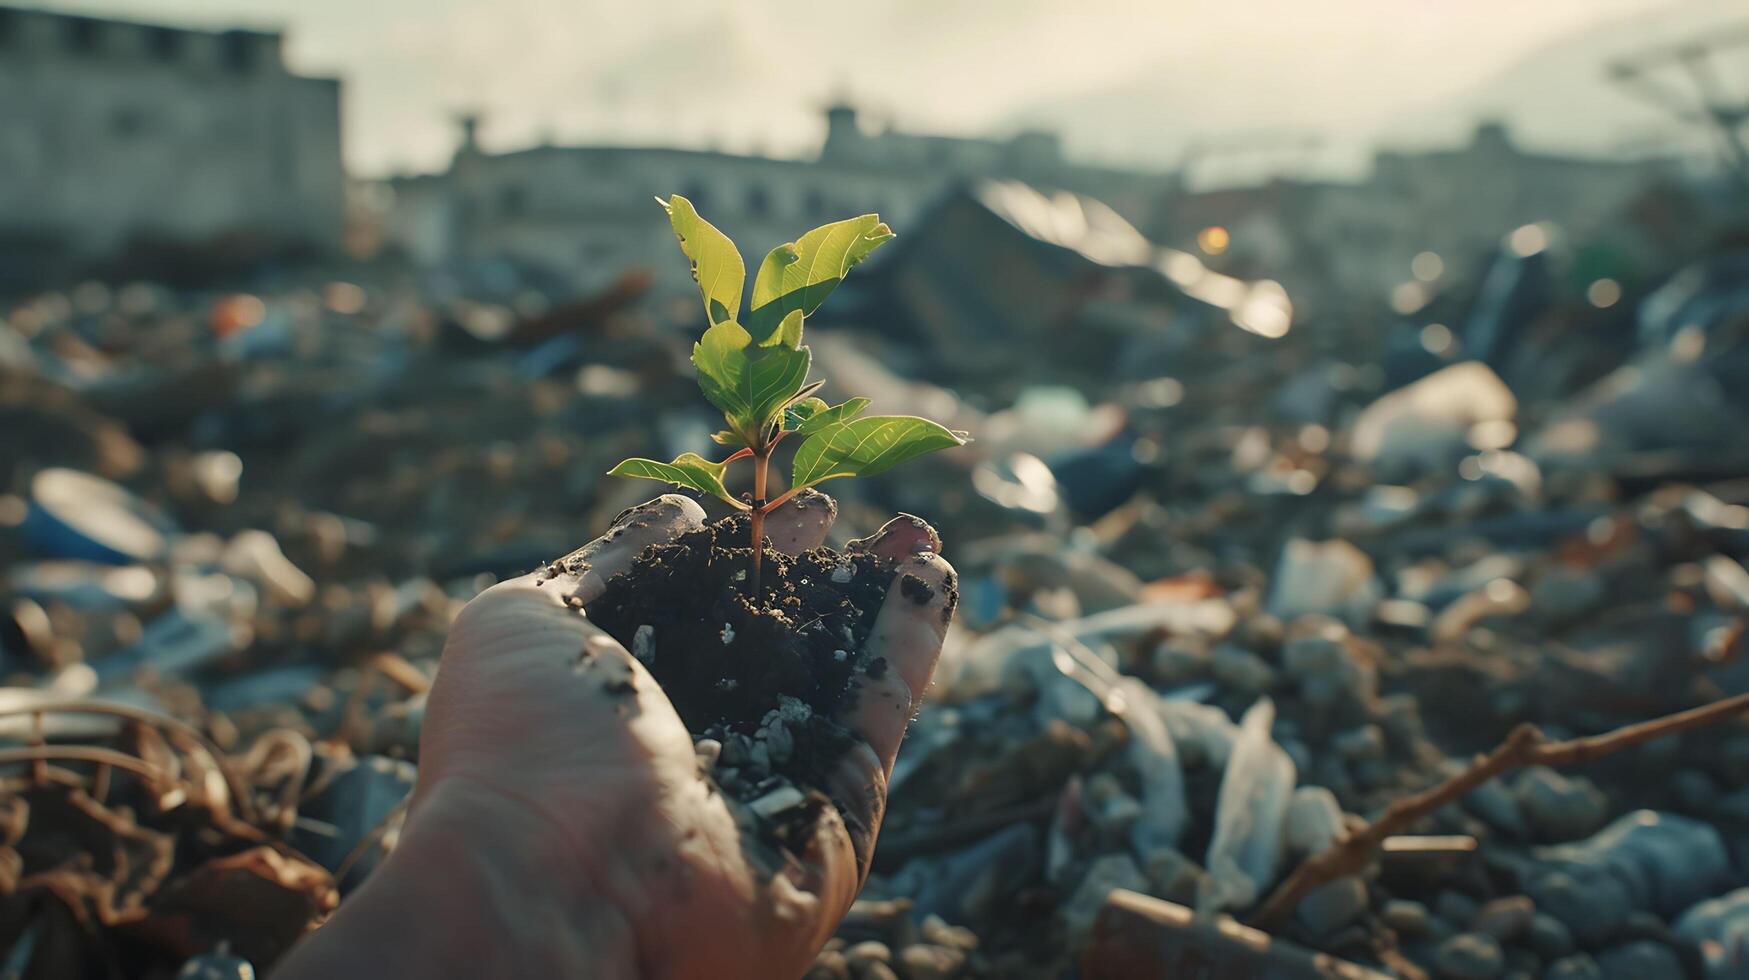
x,y
757,374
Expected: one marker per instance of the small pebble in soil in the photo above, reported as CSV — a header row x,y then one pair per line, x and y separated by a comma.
x,y
728,634
644,644
777,801
1470,956
844,573
1410,919
1576,967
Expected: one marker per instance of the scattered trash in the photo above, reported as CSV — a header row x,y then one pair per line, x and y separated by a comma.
x,y
1231,579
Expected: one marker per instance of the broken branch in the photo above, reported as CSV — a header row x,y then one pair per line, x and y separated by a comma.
x,y
1525,746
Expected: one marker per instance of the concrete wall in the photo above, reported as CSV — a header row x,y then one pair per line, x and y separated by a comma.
x,y
587,213
111,131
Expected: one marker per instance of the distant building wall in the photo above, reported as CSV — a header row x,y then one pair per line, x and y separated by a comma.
x,y
1361,237
113,131
587,211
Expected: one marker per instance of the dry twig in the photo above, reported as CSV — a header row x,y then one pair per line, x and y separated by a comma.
x,y
1526,746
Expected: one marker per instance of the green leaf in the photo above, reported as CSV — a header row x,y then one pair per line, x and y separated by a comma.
x,y
688,470
831,416
716,264
750,390
728,437
774,380
801,274
866,446
721,359
803,409
788,333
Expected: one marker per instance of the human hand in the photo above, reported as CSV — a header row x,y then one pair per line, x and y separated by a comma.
x,y
561,823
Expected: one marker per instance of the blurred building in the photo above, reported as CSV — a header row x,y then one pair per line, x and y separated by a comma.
x,y
1452,204
586,211
115,133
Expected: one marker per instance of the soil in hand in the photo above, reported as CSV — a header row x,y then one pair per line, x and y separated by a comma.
x,y
764,675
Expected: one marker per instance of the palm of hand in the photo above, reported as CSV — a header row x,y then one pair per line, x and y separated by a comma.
x,y
546,724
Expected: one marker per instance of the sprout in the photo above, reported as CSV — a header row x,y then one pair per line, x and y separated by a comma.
x,y
757,373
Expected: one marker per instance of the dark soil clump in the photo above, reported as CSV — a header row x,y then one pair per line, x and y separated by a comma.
x,y
765,677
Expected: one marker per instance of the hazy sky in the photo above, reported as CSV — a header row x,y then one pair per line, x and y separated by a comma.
x,y
751,74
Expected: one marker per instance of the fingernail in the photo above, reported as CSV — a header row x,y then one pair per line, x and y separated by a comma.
x,y
923,536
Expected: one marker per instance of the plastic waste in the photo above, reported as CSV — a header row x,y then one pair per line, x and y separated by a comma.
x,y
1245,853
1427,425
1330,577
1154,757
90,586
77,515
256,555
349,808
178,641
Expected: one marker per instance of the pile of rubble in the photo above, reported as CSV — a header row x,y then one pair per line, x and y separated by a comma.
x,y
1227,593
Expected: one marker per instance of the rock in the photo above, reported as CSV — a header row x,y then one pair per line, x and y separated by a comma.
x,y
1314,820
1456,908
1719,927
873,970
864,953
1734,760
1575,967
1399,715
1592,907
1331,906
1564,594
937,931
219,965
829,965
1549,937
1493,802
1521,964
926,962
1409,919
1363,744
1328,669
1506,918
1469,956
1639,961
1241,670
1560,807
1176,662
1661,861
1694,789
1733,808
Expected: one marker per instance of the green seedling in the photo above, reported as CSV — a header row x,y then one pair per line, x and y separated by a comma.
x,y
757,373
